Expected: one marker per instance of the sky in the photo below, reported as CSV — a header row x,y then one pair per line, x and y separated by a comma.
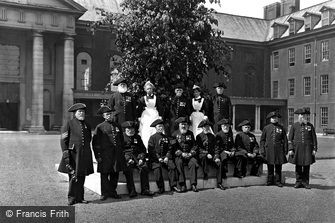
x,y
252,8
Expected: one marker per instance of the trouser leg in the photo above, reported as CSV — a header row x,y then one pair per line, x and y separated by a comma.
x,y
113,180
159,177
193,166
298,174
180,169
271,169
80,188
130,180
144,175
278,169
219,170
305,174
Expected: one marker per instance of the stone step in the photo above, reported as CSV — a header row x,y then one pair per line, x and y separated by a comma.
x,y
92,181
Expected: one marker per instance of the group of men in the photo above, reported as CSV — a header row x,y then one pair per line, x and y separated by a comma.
x,y
117,147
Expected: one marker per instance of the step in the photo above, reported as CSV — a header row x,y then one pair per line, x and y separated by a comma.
x,y
92,181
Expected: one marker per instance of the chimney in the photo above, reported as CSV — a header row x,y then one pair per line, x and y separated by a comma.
x,y
289,6
271,11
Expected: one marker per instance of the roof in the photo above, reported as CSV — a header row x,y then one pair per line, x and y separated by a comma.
x,y
91,6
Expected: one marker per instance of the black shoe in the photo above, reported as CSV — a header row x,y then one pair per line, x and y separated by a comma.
x,y
83,202
176,189
183,189
194,188
306,186
147,193
161,190
220,186
115,196
71,202
269,183
103,197
297,185
132,194
279,184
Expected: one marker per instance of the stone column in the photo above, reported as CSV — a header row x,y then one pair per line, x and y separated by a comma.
x,y
257,118
68,78
37,84
233,119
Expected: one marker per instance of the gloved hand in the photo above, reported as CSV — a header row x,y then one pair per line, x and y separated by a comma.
x,y
290,153
160,160
131,161
217,161
178,152
166,160
314,153
184,155
140,162
209,156
72,173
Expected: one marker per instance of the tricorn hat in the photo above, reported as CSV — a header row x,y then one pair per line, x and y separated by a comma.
x,y
181,120
179,86
104,109
76,106
273,114
224,121
243,123
119,81
302,111
128,124
196,87
203,123
156,122
219,84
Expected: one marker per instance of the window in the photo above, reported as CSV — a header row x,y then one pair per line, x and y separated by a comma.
x,y
292,28
308,23
3,14
275,89
325,18
324,84
84,71
54,20
22,17
308,53
290,116
291,87
275,60
308,116
325,50
39,19
291,56
307,86
324,116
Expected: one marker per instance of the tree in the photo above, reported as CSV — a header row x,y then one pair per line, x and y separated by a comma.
x,y
167,42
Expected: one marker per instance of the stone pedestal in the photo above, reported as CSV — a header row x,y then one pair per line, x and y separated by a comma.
x,y
37,85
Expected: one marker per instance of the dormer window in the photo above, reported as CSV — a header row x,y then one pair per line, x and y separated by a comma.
x,y
295,25
311,19
308,23
325,18
327,15
278,29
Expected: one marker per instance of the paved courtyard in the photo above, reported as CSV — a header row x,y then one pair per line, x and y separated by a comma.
x,y
28,177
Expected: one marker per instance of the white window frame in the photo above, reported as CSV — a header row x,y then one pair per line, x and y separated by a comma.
x,y
325,50
308,53
307,86
290,113
324,84
291,87
275,89
275,60
291,57
324,116
325,18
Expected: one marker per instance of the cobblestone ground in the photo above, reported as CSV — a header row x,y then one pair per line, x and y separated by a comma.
x,y
28,177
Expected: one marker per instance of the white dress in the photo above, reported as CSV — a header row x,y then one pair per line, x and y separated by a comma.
x,y
149,115
196,117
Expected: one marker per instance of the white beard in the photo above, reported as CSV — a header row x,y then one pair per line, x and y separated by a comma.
x,y
122,89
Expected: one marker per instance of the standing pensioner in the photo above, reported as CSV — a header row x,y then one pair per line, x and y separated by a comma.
x,y
108,147
123,102
273,144
302,146
222,107
77,156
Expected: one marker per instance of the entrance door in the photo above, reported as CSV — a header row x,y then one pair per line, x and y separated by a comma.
x,y
9,106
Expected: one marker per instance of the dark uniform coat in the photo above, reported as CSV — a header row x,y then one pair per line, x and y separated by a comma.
x,y
246,143
108,144
222,108
180,107
134,148
206,144
159,147
124,105
75,143
302,141
185,142
273,144
224,142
